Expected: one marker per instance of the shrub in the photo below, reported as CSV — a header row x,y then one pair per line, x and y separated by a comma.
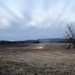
x,y
70,36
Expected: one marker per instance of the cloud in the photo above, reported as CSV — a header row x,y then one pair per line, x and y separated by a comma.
x,y
4,23
28,17
32,23
8,35
37,14
57,13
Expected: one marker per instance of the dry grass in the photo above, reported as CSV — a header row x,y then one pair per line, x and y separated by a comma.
x,y
50,59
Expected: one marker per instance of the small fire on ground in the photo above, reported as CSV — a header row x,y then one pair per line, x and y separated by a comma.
x,y
39,48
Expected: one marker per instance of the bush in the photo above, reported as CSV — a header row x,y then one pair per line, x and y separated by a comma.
x,y
70,36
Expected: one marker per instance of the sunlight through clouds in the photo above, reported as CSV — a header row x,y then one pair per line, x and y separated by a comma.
x,y
32,23
38,16
32,15
4,23
16,12
57,11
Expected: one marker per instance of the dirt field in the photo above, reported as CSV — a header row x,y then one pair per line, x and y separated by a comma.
x,y
37,59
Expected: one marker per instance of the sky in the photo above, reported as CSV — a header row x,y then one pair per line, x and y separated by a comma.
x,y
35,19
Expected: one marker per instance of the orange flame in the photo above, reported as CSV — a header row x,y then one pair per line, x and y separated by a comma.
x,y
39,48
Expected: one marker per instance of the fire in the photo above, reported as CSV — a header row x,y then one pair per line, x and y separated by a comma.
x,y
39,48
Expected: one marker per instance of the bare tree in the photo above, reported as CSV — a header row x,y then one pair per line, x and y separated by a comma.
x,y
70,36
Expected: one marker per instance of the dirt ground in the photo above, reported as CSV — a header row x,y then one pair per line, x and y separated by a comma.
x,y
37,59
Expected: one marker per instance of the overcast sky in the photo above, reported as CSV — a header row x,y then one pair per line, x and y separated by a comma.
x,y
34,19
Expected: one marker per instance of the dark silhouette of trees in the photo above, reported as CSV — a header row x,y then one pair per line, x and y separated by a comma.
x,y
70,36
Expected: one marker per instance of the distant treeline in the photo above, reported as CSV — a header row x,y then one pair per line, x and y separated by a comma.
x,y
53,40
19,42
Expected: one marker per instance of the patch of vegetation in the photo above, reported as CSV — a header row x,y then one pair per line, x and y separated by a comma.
x,y
70,36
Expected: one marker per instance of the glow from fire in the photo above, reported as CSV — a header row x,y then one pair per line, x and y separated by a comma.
x,y
39,48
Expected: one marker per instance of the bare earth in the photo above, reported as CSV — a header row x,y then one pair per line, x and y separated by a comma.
x,y
37,59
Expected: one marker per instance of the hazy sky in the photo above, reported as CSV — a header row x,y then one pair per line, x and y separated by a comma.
x,y
33,19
